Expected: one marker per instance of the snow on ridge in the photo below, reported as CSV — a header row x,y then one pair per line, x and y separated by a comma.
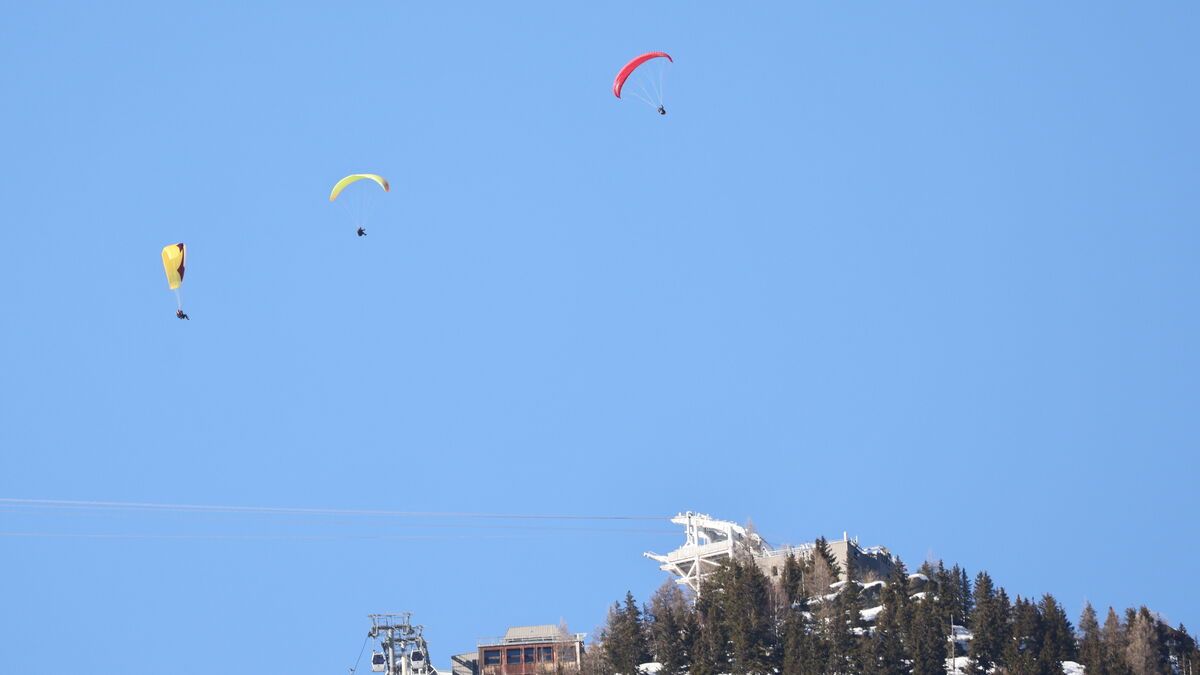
x,y
870,613
838,585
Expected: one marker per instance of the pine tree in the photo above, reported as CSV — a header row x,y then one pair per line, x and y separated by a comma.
x,y
1003,610
1091,650
1183,650
798,657
929,569
668,636
702,662
844,625
868,653
947,600
987,626
625,638
748,616
828,628
1058,637
793,575
639,643
896,587
887,654
691,637
1189,652
793,644
964,592
610,635
825,553
708,647
1022,652
822,570
814,659
927,640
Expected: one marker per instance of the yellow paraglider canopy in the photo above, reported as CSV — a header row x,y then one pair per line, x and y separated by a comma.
x,y
174,258
355,177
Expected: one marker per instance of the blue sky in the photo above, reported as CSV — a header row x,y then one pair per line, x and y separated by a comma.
x,y
923,273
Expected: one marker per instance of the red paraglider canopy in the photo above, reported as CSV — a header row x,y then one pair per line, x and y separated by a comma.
x,y
632,66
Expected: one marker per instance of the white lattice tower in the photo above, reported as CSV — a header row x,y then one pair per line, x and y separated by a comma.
x,y
707,542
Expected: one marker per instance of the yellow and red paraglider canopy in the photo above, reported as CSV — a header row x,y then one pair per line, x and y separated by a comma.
x,y
174,259
628,68
355,177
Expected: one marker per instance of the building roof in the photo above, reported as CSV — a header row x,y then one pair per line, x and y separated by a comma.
x,y
526,634
523,633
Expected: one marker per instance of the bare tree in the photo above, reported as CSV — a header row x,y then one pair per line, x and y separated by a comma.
x,y
1142,651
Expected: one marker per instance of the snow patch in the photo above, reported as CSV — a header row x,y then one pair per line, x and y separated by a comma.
x,y
872,584
960,666
870,613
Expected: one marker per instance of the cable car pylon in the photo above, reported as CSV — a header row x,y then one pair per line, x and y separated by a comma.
x,y
400,647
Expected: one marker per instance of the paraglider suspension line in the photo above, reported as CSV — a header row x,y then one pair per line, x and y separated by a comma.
x,y
661,90
650,97
649,90
359,205
643,98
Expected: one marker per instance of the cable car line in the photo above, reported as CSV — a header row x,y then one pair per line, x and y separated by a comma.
x,y
208,508
256,537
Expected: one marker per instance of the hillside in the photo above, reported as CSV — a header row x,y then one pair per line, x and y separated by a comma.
x,y
809,619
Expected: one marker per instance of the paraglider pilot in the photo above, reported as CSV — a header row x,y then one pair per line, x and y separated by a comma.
x,y
662,110
362,232
179,313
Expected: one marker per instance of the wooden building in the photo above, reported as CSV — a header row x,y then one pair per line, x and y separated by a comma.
x,y
530,650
